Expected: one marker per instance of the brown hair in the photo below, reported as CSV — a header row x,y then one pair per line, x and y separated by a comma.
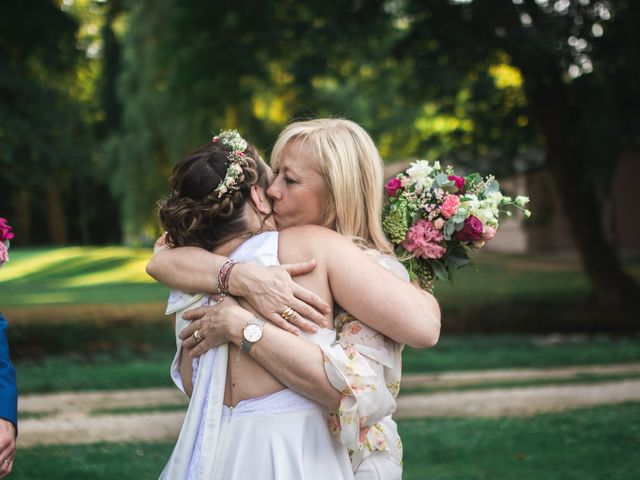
x,y
193,215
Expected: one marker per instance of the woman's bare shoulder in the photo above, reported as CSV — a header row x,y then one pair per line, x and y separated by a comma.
x,y
300,243
311,233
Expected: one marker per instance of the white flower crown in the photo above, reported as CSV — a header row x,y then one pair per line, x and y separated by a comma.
x,y
237,145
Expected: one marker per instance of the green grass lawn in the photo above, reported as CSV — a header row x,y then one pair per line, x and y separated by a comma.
x,y
586,444
95,318
127,369
479,352
78,275
88,275
138,461
589,444
102,372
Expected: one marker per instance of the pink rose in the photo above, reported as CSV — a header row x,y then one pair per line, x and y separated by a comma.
x,y
489,233
393,186
472,230
355,329
459,181
449,206
423,240
4,254
5,230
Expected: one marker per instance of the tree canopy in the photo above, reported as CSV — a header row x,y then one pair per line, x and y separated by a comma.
x,y
112,93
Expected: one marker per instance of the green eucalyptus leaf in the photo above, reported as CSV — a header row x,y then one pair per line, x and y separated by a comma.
x,y
492,187
439,270
449,228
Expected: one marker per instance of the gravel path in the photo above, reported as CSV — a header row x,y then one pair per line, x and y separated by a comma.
x,y
78,418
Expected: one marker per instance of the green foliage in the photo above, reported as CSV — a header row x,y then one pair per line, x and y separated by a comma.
x,y
190,69
503,58
47,81
36,113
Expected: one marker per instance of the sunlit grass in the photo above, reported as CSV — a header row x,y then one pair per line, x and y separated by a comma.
x,y
84,275
81,265
78,275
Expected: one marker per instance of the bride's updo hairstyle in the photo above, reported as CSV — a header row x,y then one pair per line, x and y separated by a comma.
x,y
198,213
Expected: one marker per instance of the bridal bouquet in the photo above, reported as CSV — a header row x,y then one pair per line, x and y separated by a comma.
x,y
435,218
6,234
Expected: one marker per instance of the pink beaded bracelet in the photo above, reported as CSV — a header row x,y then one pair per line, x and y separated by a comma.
x,y
222,279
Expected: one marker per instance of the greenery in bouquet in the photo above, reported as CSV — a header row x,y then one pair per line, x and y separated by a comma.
x,y
435,218
6,234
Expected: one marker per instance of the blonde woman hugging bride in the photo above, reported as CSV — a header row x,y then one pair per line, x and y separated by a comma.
x,y
288,380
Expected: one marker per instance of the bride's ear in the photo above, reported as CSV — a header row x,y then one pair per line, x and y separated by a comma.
x,y
260,200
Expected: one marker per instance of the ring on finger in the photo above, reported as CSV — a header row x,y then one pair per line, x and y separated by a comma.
x,y
288,313
197,336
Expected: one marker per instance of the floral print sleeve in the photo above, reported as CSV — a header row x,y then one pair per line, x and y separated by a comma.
x,y
365,366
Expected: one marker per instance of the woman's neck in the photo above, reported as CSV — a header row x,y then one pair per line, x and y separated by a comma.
x,y
256,223
227,248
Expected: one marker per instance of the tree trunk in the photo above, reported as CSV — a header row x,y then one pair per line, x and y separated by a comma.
x,y
612,287
22,223
56,214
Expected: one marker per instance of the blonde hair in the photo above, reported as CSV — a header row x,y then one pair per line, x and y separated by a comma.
x,y
351,166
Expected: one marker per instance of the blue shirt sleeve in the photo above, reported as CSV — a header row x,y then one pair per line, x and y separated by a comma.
x,y
8,389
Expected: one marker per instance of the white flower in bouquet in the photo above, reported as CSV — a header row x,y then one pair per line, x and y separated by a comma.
x,y
419,176
435,219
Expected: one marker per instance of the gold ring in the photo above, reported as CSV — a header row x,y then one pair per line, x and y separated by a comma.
x,y
197,336
288,313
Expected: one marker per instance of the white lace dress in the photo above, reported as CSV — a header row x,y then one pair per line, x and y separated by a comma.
x,y
274,437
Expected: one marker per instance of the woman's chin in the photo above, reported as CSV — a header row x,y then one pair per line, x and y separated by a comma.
x,y
280,224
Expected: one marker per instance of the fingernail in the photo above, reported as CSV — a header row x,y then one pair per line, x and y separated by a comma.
x,y
314,329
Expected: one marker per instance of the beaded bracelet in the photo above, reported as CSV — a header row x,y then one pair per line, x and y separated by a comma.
x,y
222,279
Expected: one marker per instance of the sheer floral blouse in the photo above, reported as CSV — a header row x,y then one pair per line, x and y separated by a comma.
x,y
366,367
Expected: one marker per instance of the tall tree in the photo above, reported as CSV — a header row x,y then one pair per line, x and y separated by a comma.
x,y
37,118
190,68
579,67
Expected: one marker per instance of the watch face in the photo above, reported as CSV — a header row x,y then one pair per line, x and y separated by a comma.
x,y
252,333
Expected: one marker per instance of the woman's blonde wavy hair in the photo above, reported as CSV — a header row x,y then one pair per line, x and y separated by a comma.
x,y
351,166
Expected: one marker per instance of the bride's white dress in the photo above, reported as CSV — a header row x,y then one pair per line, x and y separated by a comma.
x,y
279,436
